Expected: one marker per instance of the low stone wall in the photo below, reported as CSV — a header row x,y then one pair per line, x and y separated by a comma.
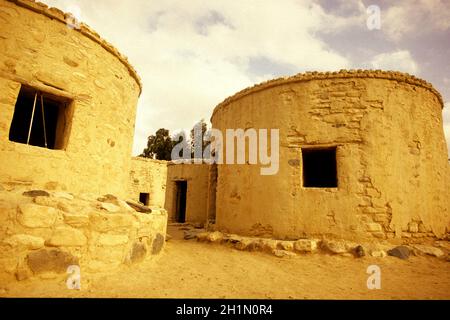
x,y
286,248
148,176
44,232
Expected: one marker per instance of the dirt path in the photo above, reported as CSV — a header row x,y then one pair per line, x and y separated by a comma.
x,y
189,269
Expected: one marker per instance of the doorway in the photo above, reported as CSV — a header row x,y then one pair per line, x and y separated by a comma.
x,y
180,209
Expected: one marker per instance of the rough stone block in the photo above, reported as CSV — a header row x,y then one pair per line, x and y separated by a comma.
x,y
112,239
109,207
63,195
244,244
23,272
401,252
67,237
378,253
335,246
379,235
432,251
215,236
373,192
286,245
50,260
381,217
423,229
157,243
145,231
305,245
406,235
359,251
202,236
283,253
36,216
418,235
413,227
190,234
46,201
106,222
76,220
36,193
269,245
113,254
138,252
25,241
108,198
123,205
374,227
138,207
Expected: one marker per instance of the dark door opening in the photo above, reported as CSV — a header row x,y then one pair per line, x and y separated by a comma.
x,y
144,198
181,190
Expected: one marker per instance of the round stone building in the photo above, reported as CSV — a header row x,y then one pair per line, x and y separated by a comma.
x,y
362,154
68,101
67,112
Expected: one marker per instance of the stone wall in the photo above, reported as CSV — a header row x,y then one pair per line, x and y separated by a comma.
x,y
148,176
158,179
44,232
391,158
40,50
197,176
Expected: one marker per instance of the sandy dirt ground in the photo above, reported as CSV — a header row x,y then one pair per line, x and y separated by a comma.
x,y
189,269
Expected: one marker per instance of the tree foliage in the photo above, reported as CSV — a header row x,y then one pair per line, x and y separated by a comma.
x,y
159,145
204,128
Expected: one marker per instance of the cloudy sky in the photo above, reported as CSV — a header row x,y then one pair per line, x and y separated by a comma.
x,y
191,54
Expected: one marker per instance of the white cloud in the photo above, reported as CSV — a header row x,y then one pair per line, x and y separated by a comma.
x,y
411,17
192,55
346,15
397,61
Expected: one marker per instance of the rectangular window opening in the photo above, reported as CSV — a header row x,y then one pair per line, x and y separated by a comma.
x,y
319,168
144,198
40,119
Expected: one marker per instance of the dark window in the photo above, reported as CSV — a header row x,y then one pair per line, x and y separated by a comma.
x,y
319,168
40,119
144,198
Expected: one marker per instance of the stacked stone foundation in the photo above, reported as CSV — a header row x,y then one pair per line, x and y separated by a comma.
x,y
44,232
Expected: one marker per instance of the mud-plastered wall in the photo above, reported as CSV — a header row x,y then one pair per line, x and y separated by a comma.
x,y
196,177
148,176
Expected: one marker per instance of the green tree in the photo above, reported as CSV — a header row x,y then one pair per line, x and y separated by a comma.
x,y
159,145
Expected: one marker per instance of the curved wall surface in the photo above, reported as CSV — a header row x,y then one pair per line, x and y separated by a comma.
x,y
390,156
92,86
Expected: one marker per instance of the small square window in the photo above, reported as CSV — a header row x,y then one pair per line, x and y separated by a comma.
x,y
40,119
144,198
319,168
